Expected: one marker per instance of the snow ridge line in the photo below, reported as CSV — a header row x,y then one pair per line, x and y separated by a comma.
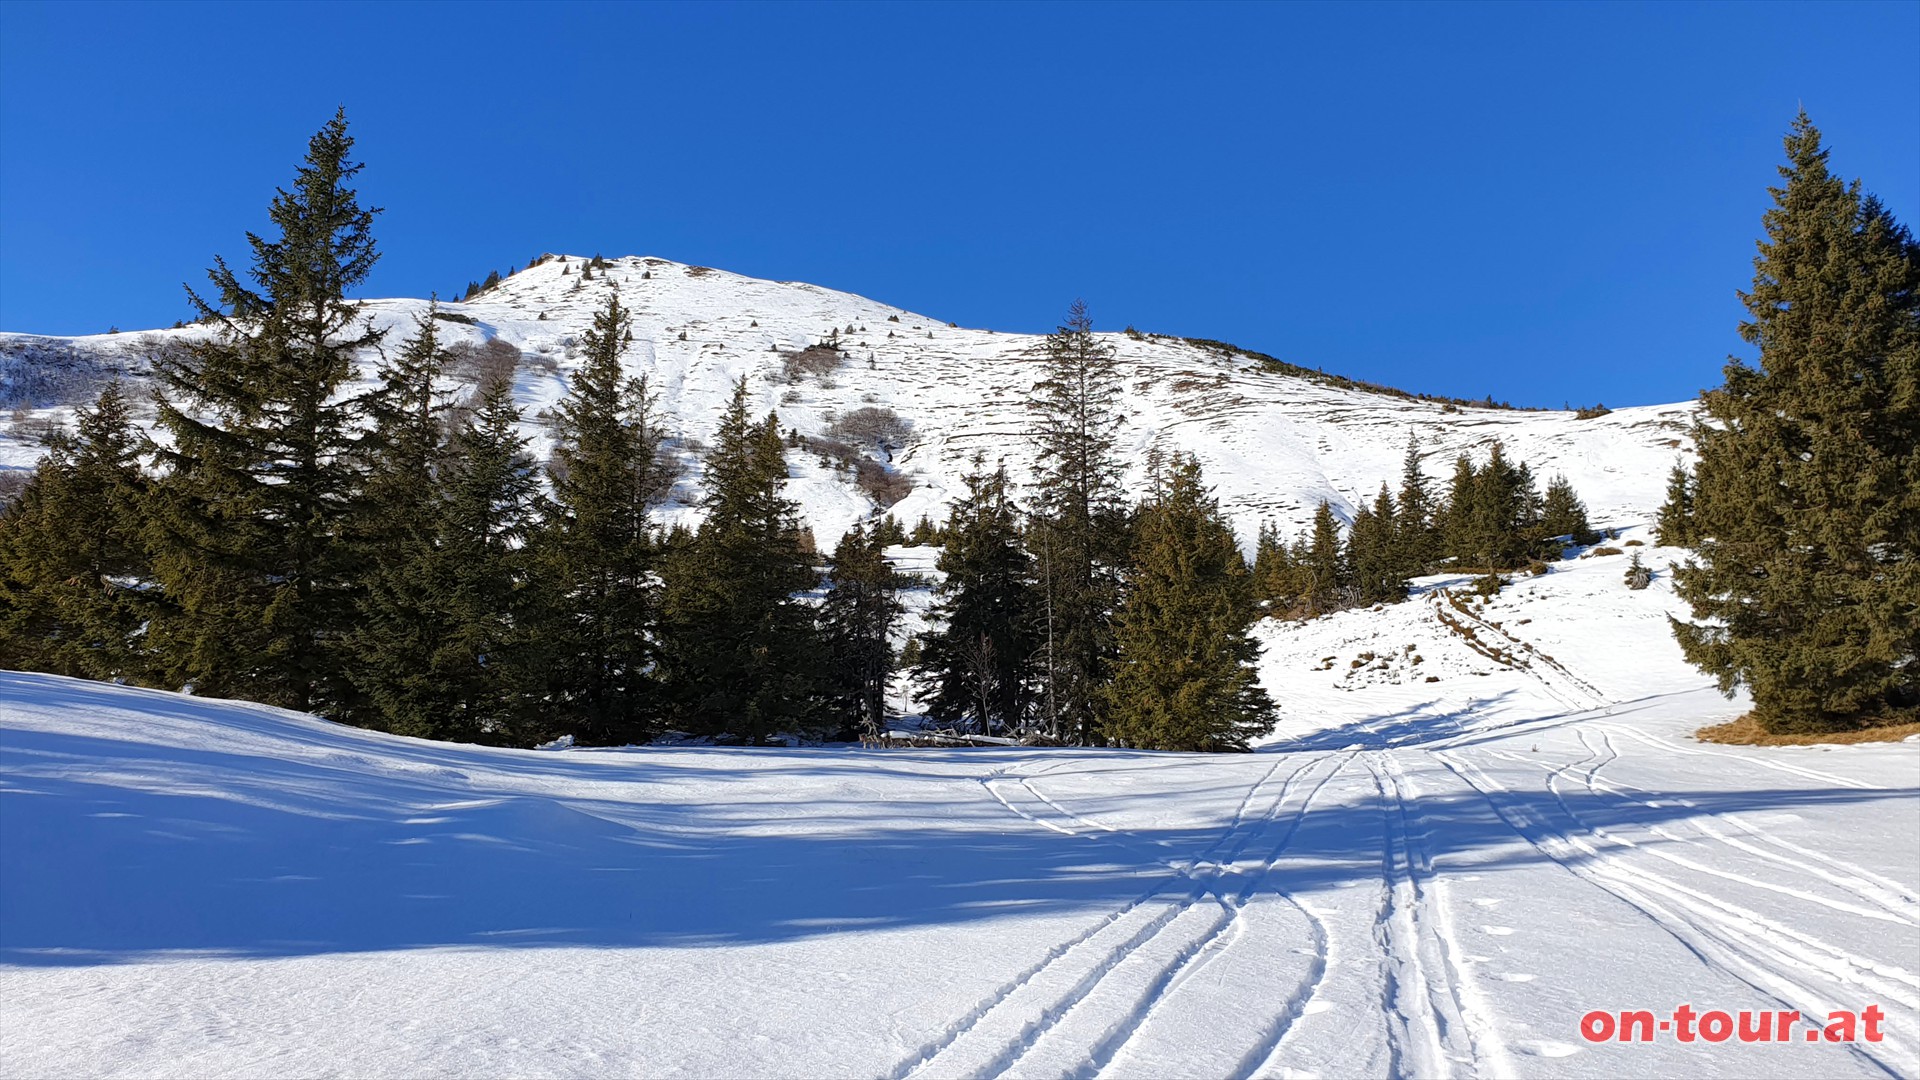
x,y
925,1055
1721,935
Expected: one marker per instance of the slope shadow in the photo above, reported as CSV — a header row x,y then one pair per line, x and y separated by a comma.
x,y
114,851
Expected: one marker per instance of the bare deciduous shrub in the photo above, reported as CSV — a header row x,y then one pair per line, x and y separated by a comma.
x,y
833,452
875,424
884,486
812,360
482,363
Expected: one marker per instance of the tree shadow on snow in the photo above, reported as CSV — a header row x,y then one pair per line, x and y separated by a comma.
x,y
115,849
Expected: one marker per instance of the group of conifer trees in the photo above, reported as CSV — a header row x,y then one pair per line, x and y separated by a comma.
x,y
1493,517
1803,507
1082,617
396,558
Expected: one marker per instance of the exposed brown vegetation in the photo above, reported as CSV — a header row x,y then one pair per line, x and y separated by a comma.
x,y
1746,731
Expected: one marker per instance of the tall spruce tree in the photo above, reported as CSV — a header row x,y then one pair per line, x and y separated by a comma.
x,y
1080,529
1417,540
491,654
1806,496
251,521
741,651
596,547
856,622
979,663
72,556
1458,518
1185,678
402,621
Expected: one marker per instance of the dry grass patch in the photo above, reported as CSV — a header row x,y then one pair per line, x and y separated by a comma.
x,y
1746,731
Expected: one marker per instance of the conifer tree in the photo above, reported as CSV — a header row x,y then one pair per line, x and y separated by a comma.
x,y
1563,514
72,555
1373,553
742,653
1806,496
1675,528
1323,565
250,522
888,533
390,648
924,533
1080,530
1273,571
1501,503
1185,677
1416,538
1458,519
488,512
596,546
856,620
978,663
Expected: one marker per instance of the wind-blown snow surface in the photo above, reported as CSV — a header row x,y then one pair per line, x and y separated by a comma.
x,y
1273,444
1415,878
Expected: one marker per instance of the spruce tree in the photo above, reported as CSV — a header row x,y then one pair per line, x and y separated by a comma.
x,y
1806,495
251,521
1273,571
1323,564
1416,539
1674,527
856,620
596,546
741,651
978,663
1502,498
1373,553
72,555
1459,539
491,654
1080,527
1563,514
1185,676
391,647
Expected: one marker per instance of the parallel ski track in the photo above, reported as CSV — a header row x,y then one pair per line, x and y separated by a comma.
x,y
1426,984
1217,941
1221,857
1886,900
1766,955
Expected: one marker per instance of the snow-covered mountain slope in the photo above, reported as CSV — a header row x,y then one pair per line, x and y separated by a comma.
x,y
1413,879
1476,822
1272,443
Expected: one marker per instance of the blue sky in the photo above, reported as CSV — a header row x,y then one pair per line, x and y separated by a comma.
x,y
1548,203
